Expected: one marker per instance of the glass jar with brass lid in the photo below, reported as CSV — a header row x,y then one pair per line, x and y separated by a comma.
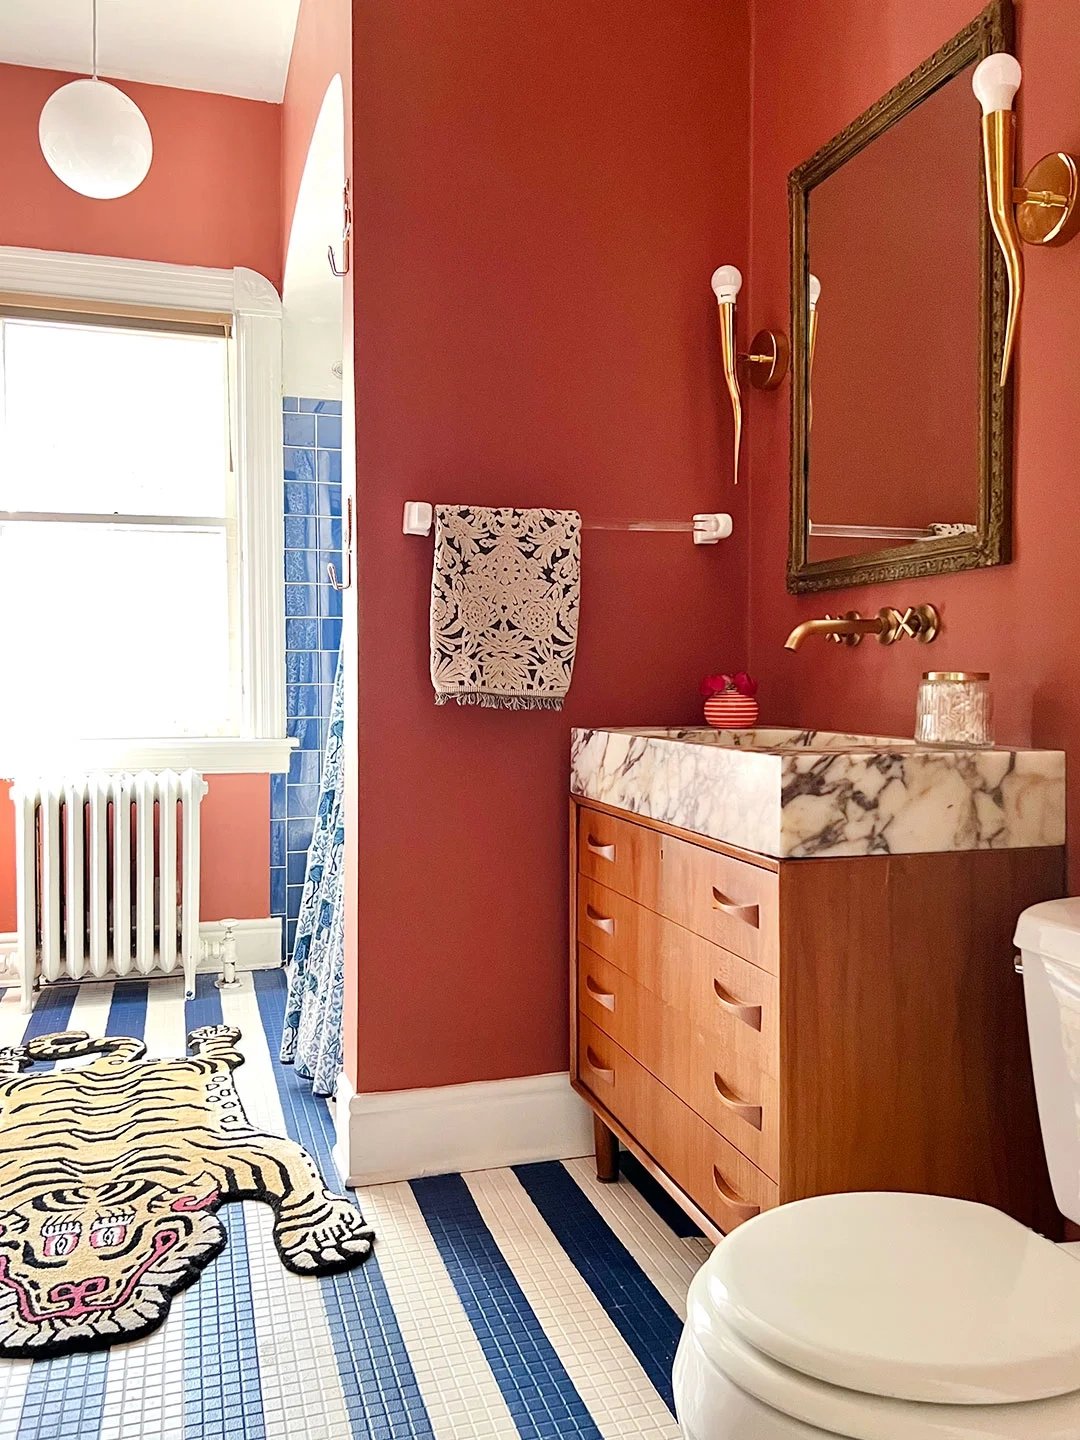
x,y
954,708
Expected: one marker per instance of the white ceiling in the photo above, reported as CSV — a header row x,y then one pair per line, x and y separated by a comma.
x,y
229,47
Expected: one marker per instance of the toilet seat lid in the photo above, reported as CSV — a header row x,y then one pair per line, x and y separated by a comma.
x,y
917,1297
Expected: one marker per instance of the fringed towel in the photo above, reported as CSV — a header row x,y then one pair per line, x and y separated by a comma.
x,y
504,606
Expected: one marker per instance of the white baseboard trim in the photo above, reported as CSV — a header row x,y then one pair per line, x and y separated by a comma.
x,y
258,945
403,1134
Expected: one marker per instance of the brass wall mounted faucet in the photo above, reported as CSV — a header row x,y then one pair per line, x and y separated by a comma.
x,y
917,622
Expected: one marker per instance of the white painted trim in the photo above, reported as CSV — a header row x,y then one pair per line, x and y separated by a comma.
x,y
258,947
402,1134
210,755
256,310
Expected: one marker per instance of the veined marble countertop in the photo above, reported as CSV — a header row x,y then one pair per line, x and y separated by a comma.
x,y
802,793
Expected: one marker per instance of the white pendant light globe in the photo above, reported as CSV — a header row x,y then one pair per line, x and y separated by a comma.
x,y
95,139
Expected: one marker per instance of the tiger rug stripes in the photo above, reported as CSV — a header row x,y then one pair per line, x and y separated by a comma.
x,y
110,1174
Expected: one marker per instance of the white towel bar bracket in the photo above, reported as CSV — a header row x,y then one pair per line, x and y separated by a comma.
x,y
706,529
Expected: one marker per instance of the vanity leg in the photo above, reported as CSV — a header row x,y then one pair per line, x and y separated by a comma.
x,y
607,1151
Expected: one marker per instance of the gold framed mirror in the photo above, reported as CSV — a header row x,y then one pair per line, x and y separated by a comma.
x,y
901,438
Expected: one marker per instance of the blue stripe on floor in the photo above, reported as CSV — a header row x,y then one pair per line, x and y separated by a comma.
x,y
127,1013
538,1392
70,1385
639,1312
382,1396
222,1391
52,1013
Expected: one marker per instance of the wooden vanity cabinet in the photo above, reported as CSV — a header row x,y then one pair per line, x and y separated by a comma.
x,y
756,1030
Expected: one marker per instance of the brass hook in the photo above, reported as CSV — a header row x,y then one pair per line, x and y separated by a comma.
x,y
346,550
346,239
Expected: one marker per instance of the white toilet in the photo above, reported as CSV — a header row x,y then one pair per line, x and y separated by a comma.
x,y
906,1317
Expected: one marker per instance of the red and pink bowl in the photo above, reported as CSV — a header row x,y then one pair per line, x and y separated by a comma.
x,y
731,711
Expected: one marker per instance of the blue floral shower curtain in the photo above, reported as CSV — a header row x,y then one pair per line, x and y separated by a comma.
x,y
312,1034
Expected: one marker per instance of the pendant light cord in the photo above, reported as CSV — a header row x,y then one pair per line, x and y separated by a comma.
x,y
93,22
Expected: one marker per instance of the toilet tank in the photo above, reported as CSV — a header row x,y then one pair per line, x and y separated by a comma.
x,y
1048,936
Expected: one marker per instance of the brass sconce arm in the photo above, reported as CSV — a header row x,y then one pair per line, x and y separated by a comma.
x,y
917,622
1042,211
765,365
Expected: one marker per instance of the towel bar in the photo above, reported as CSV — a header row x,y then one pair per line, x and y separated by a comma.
x,y
706,529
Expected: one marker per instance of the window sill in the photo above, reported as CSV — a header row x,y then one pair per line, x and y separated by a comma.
x,y
211,755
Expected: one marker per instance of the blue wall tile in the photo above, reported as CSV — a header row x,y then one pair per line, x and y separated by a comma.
x,y
303,700
329,433
302,635
329,532
302,565
300,495
304,731
303,800
329,501
300,430
312,508
328,467
301,532
301,600
301,665
304,767
299,466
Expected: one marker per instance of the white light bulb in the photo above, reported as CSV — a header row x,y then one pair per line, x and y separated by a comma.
x,y
95,139
726,284
815,291
996,81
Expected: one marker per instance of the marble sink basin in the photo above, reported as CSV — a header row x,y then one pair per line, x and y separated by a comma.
x,y
815,793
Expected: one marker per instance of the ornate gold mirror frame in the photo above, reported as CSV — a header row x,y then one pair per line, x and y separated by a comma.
x,y
992,543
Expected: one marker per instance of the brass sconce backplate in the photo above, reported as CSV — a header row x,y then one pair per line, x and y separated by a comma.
x,y
1046,208
767,362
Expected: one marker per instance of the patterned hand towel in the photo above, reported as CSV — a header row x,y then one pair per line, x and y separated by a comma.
x,y
504,606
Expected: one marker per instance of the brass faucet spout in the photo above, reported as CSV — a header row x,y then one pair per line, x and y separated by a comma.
x,y
846,628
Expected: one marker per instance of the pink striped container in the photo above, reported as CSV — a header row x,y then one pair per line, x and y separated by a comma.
x,y
731,711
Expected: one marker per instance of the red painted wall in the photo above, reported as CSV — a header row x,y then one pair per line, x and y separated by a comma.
x,y
1017,621
212,196
542,191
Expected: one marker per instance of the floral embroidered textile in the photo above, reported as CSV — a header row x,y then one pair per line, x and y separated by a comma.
x,y
504,606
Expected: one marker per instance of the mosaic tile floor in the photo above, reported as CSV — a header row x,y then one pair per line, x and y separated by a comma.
x,y
530,1302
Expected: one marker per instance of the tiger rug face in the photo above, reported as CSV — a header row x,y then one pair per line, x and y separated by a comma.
x,y
109,1178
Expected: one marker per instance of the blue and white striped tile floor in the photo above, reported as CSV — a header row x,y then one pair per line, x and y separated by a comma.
x,y
528,1302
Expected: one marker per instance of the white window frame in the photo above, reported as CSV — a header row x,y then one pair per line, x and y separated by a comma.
x,y
262,746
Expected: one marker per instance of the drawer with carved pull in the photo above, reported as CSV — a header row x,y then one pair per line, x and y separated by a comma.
x,y
723,994
711,1171
732,902
619,854
717,1075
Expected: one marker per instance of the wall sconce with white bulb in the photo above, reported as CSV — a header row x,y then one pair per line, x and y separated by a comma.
x,y
813,295
1043,211
767,361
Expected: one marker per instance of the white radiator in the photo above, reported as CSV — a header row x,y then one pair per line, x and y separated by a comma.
x,y
107,876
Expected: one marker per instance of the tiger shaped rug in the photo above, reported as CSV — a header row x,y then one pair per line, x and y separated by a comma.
x,y
110,1174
